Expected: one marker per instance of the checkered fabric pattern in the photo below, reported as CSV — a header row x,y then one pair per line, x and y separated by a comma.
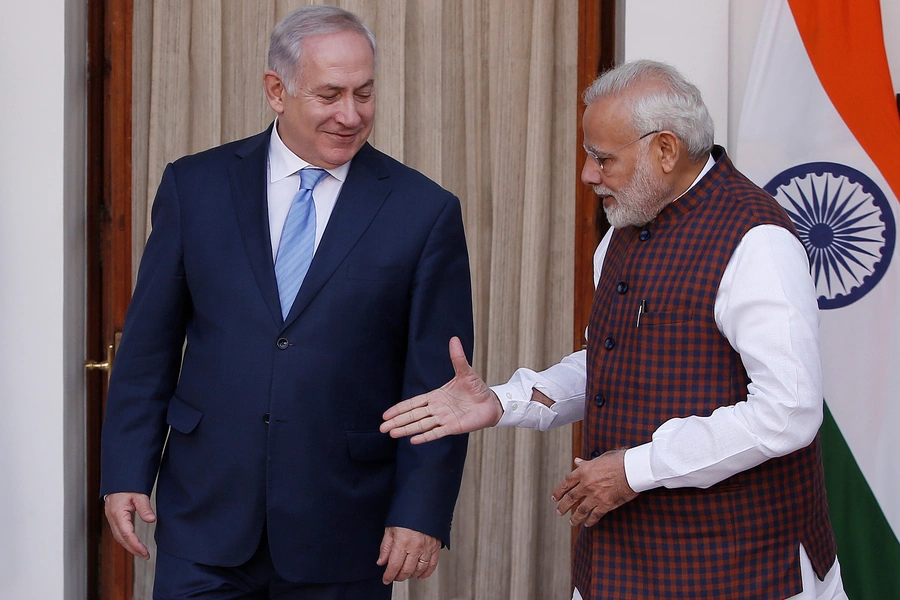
x,y
738,539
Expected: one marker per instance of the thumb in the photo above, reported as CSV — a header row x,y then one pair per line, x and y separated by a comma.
x,y
458,357
143,508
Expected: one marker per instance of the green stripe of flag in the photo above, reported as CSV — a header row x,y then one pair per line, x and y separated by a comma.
x,y
867,546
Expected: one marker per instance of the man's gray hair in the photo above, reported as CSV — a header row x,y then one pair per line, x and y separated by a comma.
x,y
286,42
679,109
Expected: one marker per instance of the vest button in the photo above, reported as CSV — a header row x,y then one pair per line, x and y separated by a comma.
x,y
282,343
609,343
622,287
266,418
595,454
599,399
644,235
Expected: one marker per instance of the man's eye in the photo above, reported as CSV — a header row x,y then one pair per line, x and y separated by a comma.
x,y
328,97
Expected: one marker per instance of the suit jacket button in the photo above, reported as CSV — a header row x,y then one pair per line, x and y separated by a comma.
x,y
609,343
599,399
282,343
622,287
266,418
644,235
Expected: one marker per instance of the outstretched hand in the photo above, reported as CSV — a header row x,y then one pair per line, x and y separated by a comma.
x,y
463,404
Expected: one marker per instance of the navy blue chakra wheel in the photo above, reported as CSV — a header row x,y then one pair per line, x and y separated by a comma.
x,y
846,224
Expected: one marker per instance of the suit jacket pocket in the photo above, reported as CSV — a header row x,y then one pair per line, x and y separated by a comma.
x,y
182,416
370,445
374,273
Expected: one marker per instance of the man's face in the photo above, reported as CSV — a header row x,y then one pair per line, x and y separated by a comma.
x,y
631,188
331,116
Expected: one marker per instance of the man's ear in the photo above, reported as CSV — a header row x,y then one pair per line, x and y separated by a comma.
x,y
275,91
669,149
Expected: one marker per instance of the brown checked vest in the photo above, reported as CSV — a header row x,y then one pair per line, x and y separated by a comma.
x,y
740,538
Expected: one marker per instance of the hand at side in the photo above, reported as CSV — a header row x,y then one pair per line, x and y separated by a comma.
x,y
120,509
407,553
463,404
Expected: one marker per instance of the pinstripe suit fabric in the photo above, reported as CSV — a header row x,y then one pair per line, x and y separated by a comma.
x,y
739,538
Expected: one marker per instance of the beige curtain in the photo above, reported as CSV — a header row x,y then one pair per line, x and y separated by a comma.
x,y
481,96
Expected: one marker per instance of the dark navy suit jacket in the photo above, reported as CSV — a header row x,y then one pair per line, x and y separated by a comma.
x,y
275,422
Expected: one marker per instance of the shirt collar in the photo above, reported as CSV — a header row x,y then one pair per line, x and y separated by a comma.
x,y
284,163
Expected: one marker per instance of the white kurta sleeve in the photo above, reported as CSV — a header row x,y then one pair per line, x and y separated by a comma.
x,y
563,383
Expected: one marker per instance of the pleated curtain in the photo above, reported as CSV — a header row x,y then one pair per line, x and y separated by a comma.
x,y
480,96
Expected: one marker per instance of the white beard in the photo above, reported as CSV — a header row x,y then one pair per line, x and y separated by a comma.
x,y
639,201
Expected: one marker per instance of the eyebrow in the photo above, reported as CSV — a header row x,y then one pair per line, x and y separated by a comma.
x,y
337,88
593,150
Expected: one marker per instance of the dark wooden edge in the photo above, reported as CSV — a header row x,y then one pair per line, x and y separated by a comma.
x,y
596,53
110,24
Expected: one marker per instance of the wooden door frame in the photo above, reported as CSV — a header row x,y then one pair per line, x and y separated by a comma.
x,y
109,198
596,53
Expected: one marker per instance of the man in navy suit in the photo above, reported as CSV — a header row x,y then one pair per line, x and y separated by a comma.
x,y
261,418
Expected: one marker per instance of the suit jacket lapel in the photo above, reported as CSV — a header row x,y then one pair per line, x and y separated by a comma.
x,y
365,190
248,183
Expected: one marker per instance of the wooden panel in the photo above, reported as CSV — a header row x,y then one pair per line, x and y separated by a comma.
x,y
109,257
596,53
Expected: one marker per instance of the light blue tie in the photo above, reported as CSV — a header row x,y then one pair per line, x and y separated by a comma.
x,y
298,239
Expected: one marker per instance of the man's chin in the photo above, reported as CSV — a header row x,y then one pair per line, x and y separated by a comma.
x,y
341,154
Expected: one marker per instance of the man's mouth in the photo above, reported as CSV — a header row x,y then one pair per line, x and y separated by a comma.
x,y
345,136
603,194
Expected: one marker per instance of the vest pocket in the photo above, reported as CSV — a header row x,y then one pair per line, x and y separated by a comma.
x,y
666,317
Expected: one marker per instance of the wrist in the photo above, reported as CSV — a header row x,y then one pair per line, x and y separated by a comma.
x,y
498,408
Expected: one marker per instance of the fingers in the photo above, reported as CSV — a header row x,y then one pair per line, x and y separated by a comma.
x,y
428,566
567,484
418,420
583,512
435,433
570,495
407,553
387,543
120,508
401,410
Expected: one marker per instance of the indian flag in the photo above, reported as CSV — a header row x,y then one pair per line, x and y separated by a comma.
x,y
820,131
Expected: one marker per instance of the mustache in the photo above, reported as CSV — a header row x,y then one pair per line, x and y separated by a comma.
x,y
603,191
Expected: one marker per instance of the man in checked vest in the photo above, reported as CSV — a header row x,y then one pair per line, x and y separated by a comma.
x,y
701,385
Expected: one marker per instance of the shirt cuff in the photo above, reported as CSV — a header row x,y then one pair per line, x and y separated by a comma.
x,y
637,468
513,404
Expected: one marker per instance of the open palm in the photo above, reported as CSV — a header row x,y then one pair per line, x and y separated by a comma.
x,y
463,404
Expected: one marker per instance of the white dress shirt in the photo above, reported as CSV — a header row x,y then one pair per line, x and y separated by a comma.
x,y
766,308
282,184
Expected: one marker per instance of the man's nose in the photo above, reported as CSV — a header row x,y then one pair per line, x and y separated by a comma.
x,y
347,114
591,173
